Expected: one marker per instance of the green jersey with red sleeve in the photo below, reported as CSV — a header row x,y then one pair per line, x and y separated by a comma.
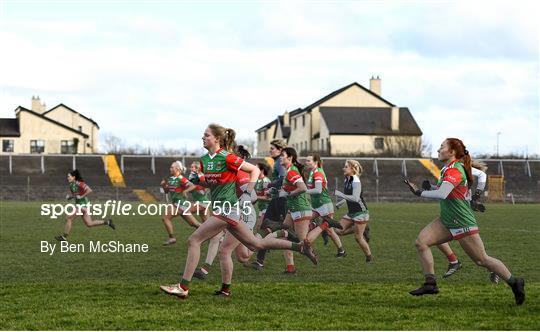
x,y
176,185
78,188
456,212
220,171
318,200
298,202
262,190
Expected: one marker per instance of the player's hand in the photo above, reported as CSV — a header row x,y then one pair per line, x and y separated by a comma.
x,y
78,197
413,188
163,183
69,197
426,185
475,206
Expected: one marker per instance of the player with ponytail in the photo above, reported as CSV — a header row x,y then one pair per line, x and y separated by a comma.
x,y
177,186
79,191
456,221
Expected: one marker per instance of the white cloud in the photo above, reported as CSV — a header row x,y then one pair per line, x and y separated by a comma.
x,y
139,75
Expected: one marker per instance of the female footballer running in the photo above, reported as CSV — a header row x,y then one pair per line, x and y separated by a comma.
x,y
299,213
358,214
321,201
478,170
456,221
178,187
79,191
263,196
220,168
229,242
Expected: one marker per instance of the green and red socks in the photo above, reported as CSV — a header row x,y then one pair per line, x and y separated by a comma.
x,y
452,258
226,288
206,268
184,284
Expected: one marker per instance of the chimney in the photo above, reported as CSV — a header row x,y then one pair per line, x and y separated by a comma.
x,y
286,118
37,106
394,119
375,85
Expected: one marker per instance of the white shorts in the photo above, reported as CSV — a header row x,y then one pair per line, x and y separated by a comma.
x,y
232,217
359,217
325,209
301,215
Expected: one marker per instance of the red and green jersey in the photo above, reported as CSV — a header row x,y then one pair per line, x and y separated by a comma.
x,y
262,190
456,210
220,172
318,200
176,185
79,188
298,202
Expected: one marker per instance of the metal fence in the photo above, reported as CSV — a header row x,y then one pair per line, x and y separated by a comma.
x,y
152,161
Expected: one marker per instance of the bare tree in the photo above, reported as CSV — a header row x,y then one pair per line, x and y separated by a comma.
x,y
111,143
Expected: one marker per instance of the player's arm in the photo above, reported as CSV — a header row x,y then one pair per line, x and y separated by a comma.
x,y
317,190
300,188
440,193
355,197
248,192
86,192
165,185
189,187
263,197
481,180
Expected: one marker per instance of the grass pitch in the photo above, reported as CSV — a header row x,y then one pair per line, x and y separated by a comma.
x,y
86,291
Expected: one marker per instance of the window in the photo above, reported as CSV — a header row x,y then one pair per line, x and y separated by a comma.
x,y
67,147
265,135
294,123
37,146
379,143
322,145
80,128
303,120
7,145
305,145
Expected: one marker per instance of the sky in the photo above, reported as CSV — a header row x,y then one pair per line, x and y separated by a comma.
x,y
156,73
